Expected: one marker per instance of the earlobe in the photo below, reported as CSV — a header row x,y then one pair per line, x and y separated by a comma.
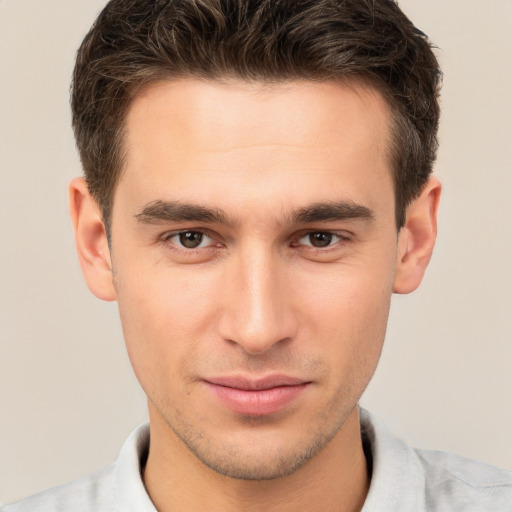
x,y
91,241
417,238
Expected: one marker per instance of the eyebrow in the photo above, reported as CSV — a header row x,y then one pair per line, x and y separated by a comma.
x,y
341,210
158,212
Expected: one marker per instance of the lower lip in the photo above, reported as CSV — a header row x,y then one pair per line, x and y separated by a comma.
x,y
257,402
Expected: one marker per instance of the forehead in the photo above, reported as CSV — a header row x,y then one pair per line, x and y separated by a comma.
x,y
255,139
286,112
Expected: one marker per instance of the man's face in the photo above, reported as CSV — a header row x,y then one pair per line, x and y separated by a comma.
x,y
253,251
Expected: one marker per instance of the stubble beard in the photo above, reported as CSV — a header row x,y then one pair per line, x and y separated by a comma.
x,y
235,460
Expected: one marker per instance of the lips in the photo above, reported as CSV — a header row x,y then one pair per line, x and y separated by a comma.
x,y
257,397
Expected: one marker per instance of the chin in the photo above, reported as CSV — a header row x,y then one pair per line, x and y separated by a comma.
x,y
248,467
263,455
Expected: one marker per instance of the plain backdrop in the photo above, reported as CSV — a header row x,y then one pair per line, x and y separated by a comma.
x,y
67,395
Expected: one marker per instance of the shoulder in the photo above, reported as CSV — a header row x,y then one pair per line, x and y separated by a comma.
x,y
118,486
465,483
87,494
405,478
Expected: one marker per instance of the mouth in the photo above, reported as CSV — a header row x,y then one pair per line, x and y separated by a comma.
x,y
257,396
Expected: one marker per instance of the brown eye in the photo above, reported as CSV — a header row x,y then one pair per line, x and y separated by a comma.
x,y
191,239
320,239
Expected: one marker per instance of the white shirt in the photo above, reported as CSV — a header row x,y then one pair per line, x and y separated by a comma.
x,y
403,480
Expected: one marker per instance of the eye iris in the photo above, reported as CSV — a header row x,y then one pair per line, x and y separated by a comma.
x,y
191,239
320,239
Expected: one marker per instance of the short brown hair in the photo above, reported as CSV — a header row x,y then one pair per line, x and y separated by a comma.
x,y
135,42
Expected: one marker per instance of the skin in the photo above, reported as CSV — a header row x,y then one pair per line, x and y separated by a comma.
x,y
256,297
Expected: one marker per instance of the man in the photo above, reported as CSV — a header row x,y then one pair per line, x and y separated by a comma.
x,y
257,185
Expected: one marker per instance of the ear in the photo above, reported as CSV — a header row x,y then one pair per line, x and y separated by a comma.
x,y
417,238
91,241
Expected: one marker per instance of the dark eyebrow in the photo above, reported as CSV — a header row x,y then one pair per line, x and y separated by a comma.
x,y
342,210
159,211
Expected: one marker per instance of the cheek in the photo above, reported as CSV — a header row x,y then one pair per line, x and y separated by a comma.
x,y
164,314
354,321
354,346
349,310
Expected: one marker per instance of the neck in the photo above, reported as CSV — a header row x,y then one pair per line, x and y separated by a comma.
x,y
336,479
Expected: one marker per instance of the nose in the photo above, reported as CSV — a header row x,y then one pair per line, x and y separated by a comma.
x,y
257,311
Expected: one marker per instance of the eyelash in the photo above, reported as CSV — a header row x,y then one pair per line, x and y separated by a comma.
x,y
166,239
343,239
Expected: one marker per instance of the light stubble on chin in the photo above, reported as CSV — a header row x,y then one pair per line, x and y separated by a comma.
x,y
235,461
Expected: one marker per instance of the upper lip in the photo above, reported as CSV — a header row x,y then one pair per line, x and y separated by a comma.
x,y
256,383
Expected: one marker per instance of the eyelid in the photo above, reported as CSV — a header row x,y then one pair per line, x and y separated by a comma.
x,y
168,235
343,236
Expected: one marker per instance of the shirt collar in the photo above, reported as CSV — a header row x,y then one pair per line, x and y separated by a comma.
x,y
130,493
397,481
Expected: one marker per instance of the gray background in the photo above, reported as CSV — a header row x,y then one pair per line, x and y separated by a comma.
x,y
67,395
